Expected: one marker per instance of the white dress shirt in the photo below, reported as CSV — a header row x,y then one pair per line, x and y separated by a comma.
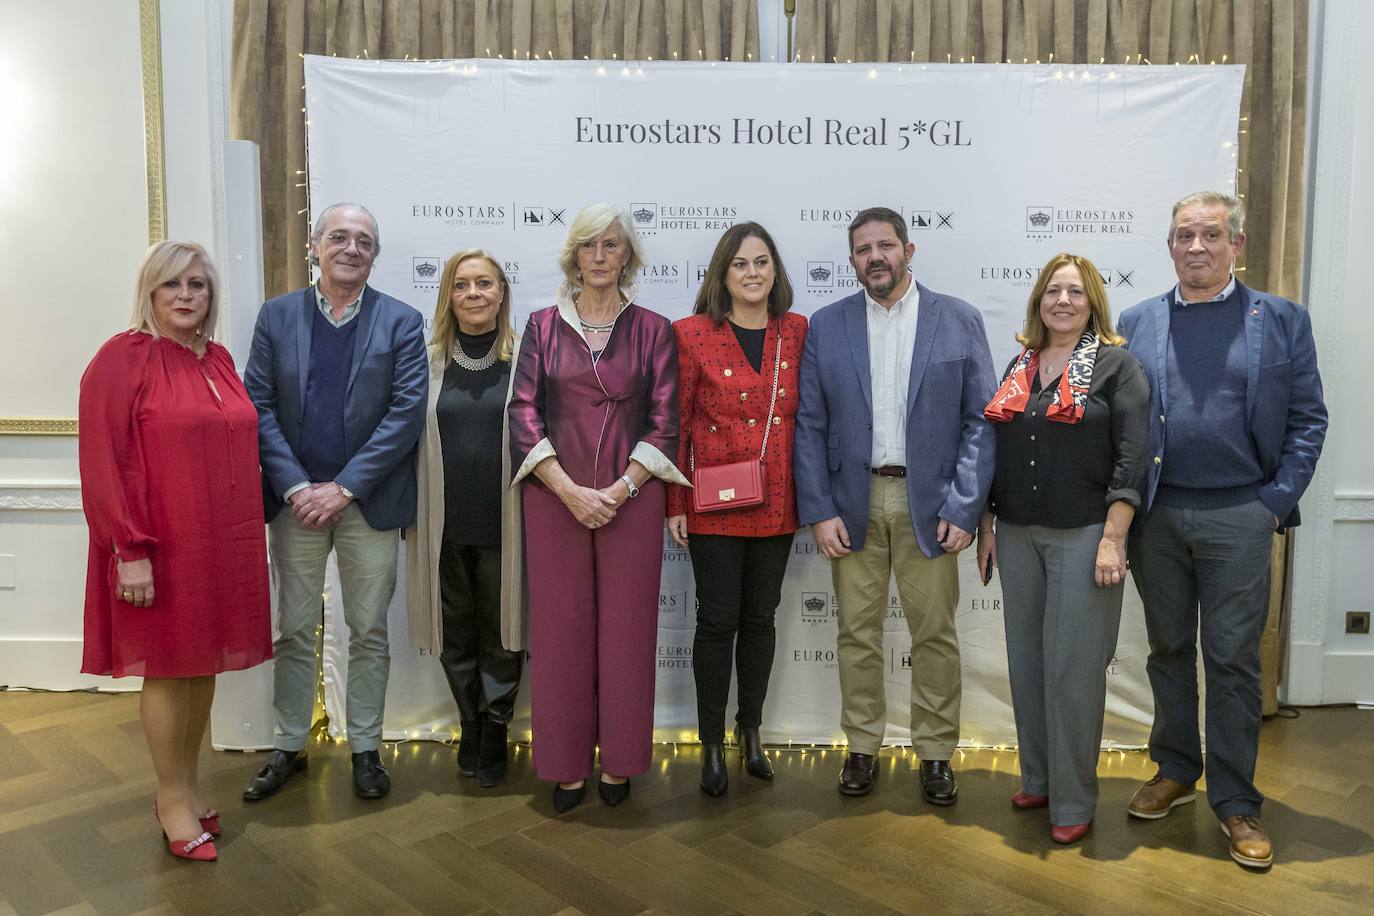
x,y
1226,290
891,339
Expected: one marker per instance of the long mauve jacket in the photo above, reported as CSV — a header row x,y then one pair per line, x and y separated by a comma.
x,y
595,415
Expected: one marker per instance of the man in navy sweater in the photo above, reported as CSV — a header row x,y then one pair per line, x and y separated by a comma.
x,y
1237,423
339,377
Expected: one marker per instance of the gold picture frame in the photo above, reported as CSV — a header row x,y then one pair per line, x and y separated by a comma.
x,y
150,50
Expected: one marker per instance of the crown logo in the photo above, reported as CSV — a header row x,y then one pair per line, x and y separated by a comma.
x,y
820,273
643,215
1039,219
814,604
425,270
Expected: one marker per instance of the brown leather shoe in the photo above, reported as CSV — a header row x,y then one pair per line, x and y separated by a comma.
x,y
857,776
1159,796
1250,845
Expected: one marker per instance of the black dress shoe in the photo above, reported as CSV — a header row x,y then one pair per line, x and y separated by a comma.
x,y
756,762
280,767
491,764
937,782
714,779
469,747
564,800
369,776
613,793
857,776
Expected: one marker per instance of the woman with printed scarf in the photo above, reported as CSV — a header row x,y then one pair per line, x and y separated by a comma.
x,y
1071,421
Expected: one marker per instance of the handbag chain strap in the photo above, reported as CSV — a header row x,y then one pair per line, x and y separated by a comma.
x,y
767,422
773,401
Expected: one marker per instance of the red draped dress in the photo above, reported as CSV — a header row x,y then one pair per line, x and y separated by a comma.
x,y
169,472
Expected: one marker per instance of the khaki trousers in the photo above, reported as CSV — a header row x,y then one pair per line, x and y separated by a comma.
x,y
929,589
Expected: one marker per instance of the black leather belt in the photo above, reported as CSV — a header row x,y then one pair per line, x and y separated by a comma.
x,y
891,470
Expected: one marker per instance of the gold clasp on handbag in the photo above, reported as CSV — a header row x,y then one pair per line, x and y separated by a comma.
x,y
727,495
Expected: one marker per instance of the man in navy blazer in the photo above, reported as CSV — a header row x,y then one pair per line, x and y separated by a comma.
x,y
893,461
339,377
1236,425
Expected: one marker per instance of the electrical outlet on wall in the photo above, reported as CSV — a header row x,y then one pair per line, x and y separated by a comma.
x,y
1357,622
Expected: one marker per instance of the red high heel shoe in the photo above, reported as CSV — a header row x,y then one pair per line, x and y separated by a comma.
x,y
200,849
1070,833
1024,801
209,822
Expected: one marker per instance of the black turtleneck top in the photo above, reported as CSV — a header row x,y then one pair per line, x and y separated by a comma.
x,y
469,412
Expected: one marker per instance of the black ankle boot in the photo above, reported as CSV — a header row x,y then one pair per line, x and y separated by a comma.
x,y
469,747
714,779
491,765
756,762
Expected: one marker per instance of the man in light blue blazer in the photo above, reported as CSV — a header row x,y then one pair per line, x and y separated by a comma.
x,y
339,377
893,462
1236,425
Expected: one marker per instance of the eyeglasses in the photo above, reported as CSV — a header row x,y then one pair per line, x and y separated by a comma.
x,y
364,244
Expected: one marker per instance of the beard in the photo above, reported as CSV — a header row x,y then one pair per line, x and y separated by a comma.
x,y
881,289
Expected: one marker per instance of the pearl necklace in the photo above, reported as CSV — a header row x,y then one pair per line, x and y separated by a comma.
x,y
470,364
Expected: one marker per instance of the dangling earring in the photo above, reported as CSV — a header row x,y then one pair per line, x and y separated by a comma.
x,y
579,275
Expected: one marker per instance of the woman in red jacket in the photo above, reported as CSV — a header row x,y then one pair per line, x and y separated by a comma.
x,y
739,359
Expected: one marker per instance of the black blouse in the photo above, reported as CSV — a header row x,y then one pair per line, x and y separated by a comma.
x,y
469,412
1065,475
751,342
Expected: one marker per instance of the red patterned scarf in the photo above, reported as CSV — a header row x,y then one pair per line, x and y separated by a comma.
x,y
1070,394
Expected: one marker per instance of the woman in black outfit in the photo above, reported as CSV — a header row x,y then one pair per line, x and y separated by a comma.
x,y
460,578
1071,421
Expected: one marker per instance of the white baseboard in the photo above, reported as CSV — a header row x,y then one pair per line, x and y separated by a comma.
x,y
53,664
1348,678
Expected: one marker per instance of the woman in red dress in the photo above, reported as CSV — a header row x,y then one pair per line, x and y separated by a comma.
x,y
739,358
176,581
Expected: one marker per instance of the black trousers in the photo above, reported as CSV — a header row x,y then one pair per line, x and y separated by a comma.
x,y
483,675
739,584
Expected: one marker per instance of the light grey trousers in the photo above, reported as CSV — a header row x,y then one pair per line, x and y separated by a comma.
x,y
367,578
1061,635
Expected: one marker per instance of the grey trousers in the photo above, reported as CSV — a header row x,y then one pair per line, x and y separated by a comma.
x,y
1061,635
1207,566
367,577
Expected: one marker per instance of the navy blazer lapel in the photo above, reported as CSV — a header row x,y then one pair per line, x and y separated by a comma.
x,y
1160,316
928,312
304,334
1254,343
367,320
856,324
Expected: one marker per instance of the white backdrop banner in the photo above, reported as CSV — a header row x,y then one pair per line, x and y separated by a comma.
x,y
995,168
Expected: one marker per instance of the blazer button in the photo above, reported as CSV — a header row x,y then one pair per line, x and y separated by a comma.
x,y
1161,418
782,392
713,429
744,395
1158,460
753,422
728,373
777,420
784,364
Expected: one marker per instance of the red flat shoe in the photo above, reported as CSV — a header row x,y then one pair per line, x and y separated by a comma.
x,y
1024,801
209,822
1071,833
201,849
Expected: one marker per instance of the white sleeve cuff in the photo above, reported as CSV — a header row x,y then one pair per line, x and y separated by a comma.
x,y
286,497
656,463
542,449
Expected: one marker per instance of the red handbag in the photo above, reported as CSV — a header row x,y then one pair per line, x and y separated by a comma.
x,y
737,485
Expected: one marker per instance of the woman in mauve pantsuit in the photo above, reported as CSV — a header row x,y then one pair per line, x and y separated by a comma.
x,y
593,419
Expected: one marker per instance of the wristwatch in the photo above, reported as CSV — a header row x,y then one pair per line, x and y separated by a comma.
x,y
344,490
629,485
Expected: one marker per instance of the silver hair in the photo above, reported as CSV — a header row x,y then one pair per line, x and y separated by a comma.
x,y
318,232
590,222
1235,210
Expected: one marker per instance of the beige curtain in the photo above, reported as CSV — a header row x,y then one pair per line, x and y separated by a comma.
x,y
268,73
1268,36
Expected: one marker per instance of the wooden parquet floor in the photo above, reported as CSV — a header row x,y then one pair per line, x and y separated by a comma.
x,y
77,836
